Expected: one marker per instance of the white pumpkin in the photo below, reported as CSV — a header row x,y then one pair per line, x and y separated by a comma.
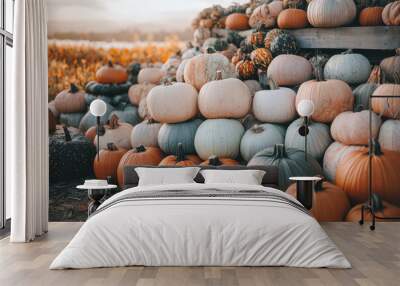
x,y
331,13
180,71
275,105
224,98
190,53
389,135
171,65
289,70
218,137
335,152
145,133
151,75
348,67
172,103
116,132
260,137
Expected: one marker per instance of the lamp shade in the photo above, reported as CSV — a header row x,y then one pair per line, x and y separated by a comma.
x,y
98,107
305,108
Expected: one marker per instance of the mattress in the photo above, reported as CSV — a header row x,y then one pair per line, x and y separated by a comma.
x,y
201,225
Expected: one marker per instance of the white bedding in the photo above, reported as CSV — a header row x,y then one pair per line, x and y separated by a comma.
x,y
200,231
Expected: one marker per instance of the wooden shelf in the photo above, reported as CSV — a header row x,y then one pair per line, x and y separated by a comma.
x,y
367,38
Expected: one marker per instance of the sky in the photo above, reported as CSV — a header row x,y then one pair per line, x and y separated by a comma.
x,y
109,15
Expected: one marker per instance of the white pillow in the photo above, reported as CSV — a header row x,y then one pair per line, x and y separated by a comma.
x,y
247,177
166,176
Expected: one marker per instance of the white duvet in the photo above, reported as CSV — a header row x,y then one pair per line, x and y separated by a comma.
x,y
200,232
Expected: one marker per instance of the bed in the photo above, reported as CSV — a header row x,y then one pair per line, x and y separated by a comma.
x,y
197,224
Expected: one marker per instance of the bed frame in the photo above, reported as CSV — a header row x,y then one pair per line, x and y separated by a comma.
x,y
270,179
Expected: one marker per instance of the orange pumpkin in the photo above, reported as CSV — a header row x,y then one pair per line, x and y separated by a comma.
x,y
371,16
382,210
388,107
70,100
292,19
138,156
106,163
237,21
111,73
216,161
391,66
352,174
91,133
330,203
246,69
180,159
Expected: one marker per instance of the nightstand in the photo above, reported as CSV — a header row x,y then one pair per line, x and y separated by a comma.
x,y
305,189
95,195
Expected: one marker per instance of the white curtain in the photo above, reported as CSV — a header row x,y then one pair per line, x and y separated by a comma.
x,y
26,121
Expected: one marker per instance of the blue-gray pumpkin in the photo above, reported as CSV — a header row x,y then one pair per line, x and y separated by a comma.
x,y
107,89
171,134
318,138
362,92
290,163
70,156
71,119
129,114
89,120
259,137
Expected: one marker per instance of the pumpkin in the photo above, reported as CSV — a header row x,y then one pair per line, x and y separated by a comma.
x,y
234,38
352,174
216,161
229,98
261,58
270,36
292,18
111,73
349,67
266,14
381,208
218,137
139,91
106,163
229,52
289,70
203,68
363,92
371,16
390,67
217,44
253,86
171,65
70,101
171,135
237,21
389,135
335,152
140,155
70,157
91,133
143,110
151,75
51,121
330,97
331,13
258,36
89,120
190,53
128,114
246,69
265,104
120,101
330,203
133,71
116,132
283,43
299,4
391,14
245,48
200,35
181,70
145,133
52,107
172,102
290,162
206,23
259,137
96,88
318,138
356,133
388,107
71,119
180,159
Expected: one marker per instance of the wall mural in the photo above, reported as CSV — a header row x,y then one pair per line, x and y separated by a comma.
x,y
228,93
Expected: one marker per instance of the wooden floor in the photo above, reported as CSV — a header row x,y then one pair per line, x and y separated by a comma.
x,y
375,257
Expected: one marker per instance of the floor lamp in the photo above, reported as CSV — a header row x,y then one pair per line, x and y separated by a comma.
x,y
305,108
370,206
98,108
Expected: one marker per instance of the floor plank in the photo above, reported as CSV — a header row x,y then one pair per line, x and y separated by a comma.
x,y
375,257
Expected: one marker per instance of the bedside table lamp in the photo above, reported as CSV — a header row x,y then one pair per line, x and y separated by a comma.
x,y
305,108
98,108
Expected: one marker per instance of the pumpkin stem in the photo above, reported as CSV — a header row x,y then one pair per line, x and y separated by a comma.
x,y
318,72
150,120
214,161
110,64
375,76
376,148
257,129
347,52
261,27
73,88
180,155
377,204
111,147
167,81
263,79
140,149
272,84
113,123
279,151
67,134
218,75
210,50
